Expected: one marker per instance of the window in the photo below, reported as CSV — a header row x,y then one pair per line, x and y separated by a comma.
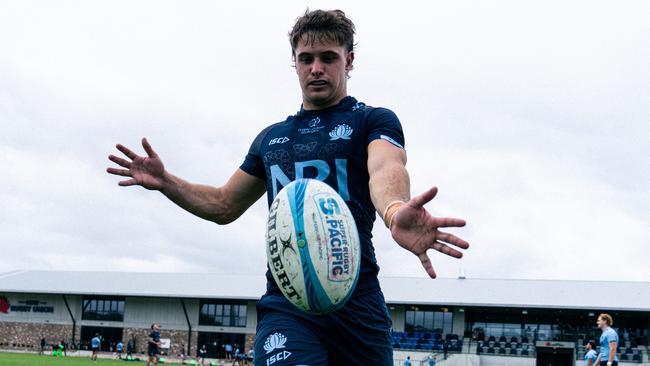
x,y
103,308
223,313
428,320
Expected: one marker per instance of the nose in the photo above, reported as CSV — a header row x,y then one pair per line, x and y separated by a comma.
x,y
317,67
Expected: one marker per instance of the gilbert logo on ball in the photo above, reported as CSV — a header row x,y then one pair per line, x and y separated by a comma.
x,y
312,246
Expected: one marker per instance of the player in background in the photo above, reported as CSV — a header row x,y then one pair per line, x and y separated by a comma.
x,y
202,354
356,149
95,344
119,348
590,355
608,341
153,345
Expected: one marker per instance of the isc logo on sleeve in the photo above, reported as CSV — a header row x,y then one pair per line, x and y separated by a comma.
x,y
278,140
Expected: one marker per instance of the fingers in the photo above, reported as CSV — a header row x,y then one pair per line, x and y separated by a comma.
x,y
125,150
426,263
147,147
445,249
122,172
119,161
452,239
126,183
425,197
447,222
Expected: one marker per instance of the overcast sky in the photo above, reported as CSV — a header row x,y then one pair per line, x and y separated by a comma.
x,y
532,118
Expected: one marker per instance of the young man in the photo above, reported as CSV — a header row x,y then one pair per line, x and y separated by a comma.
x,y
356,149
95,344
129,350
153,345
608,341
119,348
203,352
590,355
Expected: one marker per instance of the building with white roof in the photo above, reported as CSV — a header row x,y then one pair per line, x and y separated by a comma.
x,y
215,309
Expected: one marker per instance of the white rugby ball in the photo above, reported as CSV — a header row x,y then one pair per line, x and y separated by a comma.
x,y
312,246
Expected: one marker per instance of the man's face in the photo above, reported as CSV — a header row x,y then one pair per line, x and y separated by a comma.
x,y
322,68
156,327
601,323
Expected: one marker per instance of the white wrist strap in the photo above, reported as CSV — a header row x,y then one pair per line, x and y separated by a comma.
x,y
388,206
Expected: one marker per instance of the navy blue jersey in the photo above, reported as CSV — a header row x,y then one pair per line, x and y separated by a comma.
x,y
155,336
329,145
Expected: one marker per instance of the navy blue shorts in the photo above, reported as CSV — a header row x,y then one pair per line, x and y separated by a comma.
x,y
357,334
153,352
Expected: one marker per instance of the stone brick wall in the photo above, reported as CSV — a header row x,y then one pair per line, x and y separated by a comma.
x,y
178,339
28,335
250,342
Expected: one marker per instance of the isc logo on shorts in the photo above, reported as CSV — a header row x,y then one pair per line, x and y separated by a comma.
x,y
278,357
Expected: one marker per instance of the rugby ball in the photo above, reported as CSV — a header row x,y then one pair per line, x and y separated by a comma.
x,y
312,246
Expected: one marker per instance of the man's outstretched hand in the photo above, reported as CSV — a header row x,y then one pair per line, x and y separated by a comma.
x,y
415,230
146,171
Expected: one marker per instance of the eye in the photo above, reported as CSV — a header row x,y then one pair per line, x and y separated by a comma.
x,y
305,59
329,58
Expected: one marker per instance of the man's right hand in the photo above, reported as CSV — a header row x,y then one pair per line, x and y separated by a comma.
x,y
146,171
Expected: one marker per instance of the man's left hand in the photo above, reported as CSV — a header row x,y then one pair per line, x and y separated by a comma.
x,y
415,230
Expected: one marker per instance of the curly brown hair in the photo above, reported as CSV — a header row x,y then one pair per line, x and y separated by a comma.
x,y
323,25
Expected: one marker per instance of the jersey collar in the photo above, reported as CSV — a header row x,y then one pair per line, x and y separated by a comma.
x,y
345,104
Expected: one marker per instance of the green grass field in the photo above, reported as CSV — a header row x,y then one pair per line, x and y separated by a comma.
x,y
28,359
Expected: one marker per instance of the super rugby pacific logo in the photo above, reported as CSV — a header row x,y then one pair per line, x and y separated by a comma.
x,y
276,256
338,247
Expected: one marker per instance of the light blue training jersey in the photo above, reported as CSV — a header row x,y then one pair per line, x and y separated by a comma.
x,y
609,335
591,355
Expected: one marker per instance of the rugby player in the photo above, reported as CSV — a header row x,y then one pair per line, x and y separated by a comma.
x,y
356,149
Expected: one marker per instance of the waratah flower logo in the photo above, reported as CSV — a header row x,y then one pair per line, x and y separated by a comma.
x,y
341,132
274,341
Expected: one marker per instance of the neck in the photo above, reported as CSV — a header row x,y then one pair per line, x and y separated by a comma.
x,y
309,106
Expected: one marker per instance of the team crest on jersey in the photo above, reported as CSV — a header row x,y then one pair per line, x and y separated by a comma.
x,y
274,341
314,122
341,132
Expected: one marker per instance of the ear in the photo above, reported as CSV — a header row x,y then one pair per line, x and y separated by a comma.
x,y
349,61
293,61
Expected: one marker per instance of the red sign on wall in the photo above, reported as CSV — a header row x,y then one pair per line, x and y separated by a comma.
x,y
4,305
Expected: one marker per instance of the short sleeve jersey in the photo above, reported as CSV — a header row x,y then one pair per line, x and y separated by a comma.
x,y
329,145
156,338
591,355
609,335
95,342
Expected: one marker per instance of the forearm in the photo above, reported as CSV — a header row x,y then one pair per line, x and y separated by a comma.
x,y
201,200
612,352
389,183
